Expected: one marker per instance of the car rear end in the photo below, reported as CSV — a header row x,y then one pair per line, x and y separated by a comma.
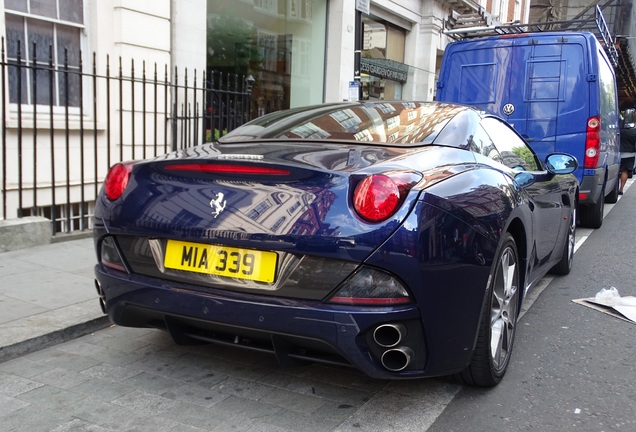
x,y
310,254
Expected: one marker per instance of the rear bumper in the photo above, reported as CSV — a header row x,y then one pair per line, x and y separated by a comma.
x,y
291,329
591,186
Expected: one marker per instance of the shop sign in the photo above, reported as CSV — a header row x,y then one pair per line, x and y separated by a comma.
x,y
384,68
354,91
363,6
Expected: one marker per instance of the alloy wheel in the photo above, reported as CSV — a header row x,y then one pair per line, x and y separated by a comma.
x,y
504,308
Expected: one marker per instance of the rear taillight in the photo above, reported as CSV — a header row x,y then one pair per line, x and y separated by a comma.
x,y
369,286
592,142
110,255
378,196
117,180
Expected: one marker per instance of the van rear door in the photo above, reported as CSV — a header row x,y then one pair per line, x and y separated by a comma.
x,y
545,107
476,72
537,83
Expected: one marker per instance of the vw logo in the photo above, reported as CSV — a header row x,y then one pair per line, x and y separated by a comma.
x,y
508,109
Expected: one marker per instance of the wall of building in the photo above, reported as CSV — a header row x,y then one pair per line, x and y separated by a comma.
x,y
127,37
630,29
139,34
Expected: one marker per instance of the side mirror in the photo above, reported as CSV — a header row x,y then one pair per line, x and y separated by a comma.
x,y
561,163
524,179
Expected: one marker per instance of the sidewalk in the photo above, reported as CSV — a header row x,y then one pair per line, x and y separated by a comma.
x,y
47,296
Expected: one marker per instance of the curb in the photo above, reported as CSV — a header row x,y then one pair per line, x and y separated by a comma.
x,y
37,343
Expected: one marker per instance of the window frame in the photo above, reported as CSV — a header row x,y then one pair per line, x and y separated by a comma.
x,y
28,107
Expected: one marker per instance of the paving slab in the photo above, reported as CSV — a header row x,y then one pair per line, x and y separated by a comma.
x,y
47,296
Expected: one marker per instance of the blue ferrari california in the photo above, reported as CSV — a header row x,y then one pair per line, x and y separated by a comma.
x,y
399,238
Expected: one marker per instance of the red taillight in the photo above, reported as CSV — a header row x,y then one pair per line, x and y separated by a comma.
x,y
378,196
592,142
117,180
227,169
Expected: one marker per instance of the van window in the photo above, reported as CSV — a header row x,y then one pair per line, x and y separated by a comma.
x,y
472,79
514,151
607,88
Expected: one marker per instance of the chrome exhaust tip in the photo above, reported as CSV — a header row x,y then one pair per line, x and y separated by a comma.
x,y
397,359
389,335
100,293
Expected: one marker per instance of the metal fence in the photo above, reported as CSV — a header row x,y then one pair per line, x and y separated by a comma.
x,y
64,123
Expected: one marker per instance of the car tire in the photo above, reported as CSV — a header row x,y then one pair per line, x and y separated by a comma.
x,y
564,266
592,216
612,197
500,311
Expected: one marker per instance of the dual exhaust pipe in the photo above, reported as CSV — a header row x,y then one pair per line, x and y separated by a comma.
x,y
396,357
100,293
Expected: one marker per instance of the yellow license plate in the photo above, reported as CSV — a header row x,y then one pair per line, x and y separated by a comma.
x,y
221,260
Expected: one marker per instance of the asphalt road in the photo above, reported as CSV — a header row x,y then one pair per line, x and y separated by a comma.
x,y
572,370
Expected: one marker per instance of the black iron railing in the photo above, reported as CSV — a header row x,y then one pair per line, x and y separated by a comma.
x,y
64,124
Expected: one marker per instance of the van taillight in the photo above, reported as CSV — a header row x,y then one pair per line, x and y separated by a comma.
x,y
592,142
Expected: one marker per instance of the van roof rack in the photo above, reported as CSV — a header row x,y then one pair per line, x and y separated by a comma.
x,y
595,24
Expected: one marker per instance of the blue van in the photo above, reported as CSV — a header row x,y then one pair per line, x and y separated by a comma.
x,y
558,90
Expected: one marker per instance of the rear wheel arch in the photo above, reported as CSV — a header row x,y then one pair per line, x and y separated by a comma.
x,y
612,196
591,216
500,311
518,232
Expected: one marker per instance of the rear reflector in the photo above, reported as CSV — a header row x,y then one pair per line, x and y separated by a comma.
x,y
373,287
226,169
110,255
370,301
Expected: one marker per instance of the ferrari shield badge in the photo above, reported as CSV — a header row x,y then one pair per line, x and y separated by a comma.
x,y
217,204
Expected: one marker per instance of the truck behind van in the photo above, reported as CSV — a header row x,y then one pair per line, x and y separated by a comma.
x,y
558,90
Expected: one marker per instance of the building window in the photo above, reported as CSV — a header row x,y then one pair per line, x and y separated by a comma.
x,y
496,10
517,11
259,209
280,43
293,207
270,6
381,66
346,118
40,33
505,12
279,223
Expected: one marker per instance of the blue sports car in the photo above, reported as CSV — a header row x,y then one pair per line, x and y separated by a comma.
x,y
399,238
